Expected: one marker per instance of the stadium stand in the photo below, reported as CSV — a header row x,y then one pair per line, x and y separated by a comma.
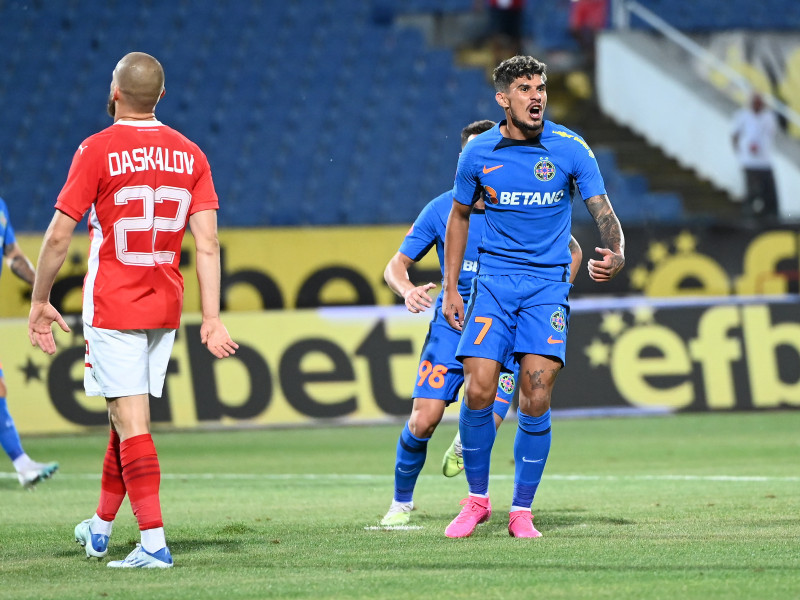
x,y
312,112
547,20
710,15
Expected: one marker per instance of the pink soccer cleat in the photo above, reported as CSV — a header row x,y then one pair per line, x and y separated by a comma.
x,y
520,524
476,511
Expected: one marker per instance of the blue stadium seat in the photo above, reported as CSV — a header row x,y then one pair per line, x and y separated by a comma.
x,y
356,121
664,207
711,15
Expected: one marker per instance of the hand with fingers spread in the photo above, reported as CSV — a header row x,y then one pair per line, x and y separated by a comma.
x,y
215,337
40,321
606,268
417,298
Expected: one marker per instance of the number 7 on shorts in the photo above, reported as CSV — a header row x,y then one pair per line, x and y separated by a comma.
x,y
487,323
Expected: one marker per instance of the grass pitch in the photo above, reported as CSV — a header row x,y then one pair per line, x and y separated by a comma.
x,y
690,506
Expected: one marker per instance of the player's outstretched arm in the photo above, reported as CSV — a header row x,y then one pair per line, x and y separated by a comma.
x,y
613,251
577,257
213,333
396,276
54,250
455,243
19,264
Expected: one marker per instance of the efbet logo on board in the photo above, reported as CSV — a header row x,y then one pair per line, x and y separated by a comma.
x,y
544,170
719,357
558,320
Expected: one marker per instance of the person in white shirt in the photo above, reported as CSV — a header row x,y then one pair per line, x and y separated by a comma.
x,y
753,134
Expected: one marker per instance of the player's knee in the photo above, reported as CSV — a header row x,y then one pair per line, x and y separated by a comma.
x,y
2,388
422,423
422,430
478,395
534,405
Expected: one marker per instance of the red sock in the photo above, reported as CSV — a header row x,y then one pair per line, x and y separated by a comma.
x,y
112,486
142,475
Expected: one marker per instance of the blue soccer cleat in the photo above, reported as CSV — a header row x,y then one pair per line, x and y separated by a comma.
x,y
95,544
140,558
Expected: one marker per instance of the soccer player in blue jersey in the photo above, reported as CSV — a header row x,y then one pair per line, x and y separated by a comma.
x,y
527,167
29,472
440,375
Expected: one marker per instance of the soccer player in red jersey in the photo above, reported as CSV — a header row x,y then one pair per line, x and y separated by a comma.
x,y
141,182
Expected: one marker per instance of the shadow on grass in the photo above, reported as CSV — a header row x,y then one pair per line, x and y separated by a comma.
x,y
569,518
559,519
186,546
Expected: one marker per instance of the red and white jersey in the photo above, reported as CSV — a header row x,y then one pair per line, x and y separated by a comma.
x,y
140,180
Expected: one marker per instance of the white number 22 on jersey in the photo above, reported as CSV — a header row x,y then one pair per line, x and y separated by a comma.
x,y
149,222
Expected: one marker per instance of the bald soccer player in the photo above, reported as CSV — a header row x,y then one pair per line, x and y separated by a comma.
x,y
141,183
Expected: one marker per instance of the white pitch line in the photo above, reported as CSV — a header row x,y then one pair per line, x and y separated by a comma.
x,y
372,477
393,527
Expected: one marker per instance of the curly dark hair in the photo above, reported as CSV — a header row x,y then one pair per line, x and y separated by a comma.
x,y
475,128
517,66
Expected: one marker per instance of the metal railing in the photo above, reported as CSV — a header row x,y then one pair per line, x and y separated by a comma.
x,y
621,16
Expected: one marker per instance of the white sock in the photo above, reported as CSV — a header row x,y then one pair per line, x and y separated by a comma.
x,y
402,505
97,525
516,508
23,463
153,540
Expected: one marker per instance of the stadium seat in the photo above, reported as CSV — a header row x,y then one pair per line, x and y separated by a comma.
x,y
351,121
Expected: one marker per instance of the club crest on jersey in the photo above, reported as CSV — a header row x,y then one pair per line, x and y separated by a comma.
x,y
558,320
506,383
544,170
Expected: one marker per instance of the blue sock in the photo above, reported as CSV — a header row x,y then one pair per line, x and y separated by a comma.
x,y
477,438
9,438
531,447
411,452
501,407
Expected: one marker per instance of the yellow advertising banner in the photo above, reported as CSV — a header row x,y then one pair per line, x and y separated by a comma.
x,y
299,268
351,365
261,268
292,367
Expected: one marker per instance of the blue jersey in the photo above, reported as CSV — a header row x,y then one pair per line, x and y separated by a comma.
x,y
429,230
6,232
528,185
440,375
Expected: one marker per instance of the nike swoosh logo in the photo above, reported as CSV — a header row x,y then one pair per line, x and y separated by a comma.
x,y
490,169
532,461
404,471
550,340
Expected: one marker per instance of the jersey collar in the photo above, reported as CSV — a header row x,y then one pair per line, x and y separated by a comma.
x,y
507,142
149,123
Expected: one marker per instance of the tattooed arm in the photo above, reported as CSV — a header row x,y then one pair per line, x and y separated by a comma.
x,y
19,264
613,250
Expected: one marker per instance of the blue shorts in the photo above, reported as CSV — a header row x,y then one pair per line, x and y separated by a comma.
x,y
440,375
515,314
